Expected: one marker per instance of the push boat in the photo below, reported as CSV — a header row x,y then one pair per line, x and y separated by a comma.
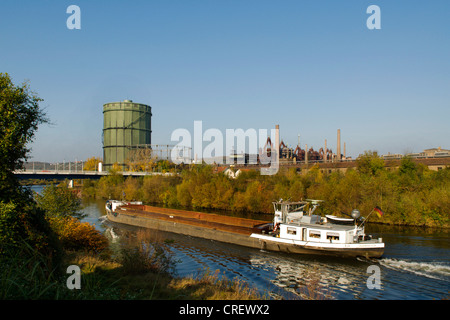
x,y
298,230
294,229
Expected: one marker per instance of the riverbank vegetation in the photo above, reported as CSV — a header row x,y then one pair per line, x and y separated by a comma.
x,y
410,195
143,268
41,236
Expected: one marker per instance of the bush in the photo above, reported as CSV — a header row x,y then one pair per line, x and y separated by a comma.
x,y
26,274
132,189
110,187
76,235
10,227
24,223
89,188
59,201
149,254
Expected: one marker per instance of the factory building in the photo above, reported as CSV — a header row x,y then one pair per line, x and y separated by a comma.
x,y
427,153
298,154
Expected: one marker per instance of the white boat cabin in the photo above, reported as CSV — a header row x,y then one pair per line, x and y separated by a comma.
x,y
295,221
318,233
112,205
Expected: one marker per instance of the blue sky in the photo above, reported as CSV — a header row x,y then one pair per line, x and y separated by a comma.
x,y
310,66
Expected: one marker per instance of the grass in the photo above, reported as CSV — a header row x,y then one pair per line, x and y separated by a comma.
x,y
141,270
110,279
210,286
144,269
23,275
130,275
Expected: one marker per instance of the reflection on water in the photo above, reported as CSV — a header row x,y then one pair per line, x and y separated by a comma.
x,y
282,275
416,263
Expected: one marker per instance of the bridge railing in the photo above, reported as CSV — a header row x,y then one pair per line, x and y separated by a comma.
x,y
86,173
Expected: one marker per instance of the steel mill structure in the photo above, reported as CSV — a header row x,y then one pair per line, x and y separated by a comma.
x,y
306,155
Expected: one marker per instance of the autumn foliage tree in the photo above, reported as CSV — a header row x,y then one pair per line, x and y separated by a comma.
x,y
141,159
21,221
77,235
20,116
410,195
59,201
91,164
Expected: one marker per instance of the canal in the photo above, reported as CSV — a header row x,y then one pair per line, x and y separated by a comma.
x,y
415,265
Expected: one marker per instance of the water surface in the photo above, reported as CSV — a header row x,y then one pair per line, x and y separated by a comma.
x,y
415,265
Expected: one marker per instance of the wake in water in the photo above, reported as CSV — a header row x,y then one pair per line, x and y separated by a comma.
x,y
434,270
109,232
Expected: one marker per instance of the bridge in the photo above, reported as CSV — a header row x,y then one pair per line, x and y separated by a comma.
x,y
75,174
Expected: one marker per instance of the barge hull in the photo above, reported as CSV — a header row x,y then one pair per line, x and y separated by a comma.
x,y
298,249
216,234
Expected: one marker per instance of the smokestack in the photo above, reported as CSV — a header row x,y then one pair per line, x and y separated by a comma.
x,y
325,152
306,153
338,145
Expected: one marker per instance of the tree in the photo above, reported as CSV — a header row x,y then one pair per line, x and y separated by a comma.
x,y
59,201
141,159
370,163
91,164
22,223
20,116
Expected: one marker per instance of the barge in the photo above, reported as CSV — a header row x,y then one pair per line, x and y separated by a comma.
x,y
294,229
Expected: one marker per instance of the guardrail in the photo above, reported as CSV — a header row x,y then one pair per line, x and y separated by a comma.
x,y
86,173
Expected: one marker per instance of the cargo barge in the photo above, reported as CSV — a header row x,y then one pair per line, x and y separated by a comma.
x,y
294,229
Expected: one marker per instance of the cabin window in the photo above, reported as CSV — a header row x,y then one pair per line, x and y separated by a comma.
x,y
291,231
314,234
332,236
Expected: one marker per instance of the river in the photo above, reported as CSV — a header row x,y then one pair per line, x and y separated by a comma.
x,y
415,265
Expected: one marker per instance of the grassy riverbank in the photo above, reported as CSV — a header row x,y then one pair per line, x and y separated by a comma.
x,y
34,263
136,272
411,195
40,237
109,279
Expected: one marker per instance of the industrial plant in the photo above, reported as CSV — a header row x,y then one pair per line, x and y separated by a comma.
x,y
324,154
127,135
125,125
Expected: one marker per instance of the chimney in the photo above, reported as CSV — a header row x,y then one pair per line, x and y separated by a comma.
x,y
338,145
306,154
325,153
